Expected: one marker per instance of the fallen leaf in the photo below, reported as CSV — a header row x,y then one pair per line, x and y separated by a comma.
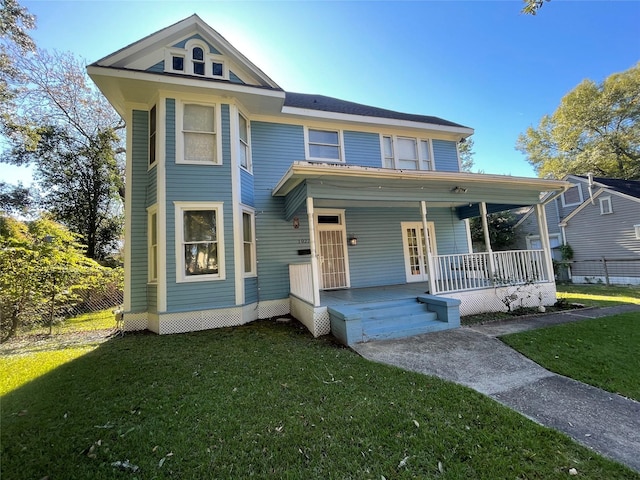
x,y
440,468
415,422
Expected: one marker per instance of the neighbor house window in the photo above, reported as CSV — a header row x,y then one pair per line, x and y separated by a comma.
x,y
637,230
605,206
199,241
200,142
243,142
323,145
152,135
248,239
573,196
406,153
152,236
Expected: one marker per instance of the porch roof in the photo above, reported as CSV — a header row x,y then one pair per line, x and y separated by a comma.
x,y
388,187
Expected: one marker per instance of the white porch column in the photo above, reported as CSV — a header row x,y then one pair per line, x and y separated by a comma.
x,y
315,274
544,239
487,239
430,263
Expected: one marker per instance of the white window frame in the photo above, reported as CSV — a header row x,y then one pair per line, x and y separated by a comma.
x,y
187,61
637,230
579,187
180,208
246,146
426,162
253,270
180,144
153,136
531,238
605,201
320,159
152,248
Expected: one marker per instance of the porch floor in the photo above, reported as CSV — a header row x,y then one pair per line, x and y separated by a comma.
x,y
351,296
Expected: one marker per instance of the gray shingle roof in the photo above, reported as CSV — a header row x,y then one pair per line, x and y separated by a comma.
x,y
329,104
628,187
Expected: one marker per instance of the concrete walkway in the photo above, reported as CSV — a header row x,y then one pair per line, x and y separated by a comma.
x,y
474,357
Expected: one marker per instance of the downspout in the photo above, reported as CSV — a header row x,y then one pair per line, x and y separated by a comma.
x,y
315,278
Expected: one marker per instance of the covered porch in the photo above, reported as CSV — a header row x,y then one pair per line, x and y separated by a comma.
x,y
324,282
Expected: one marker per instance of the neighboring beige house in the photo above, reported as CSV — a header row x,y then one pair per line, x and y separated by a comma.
x,y
600,219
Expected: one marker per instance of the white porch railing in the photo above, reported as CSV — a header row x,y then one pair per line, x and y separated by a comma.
x,y
474,270
301,281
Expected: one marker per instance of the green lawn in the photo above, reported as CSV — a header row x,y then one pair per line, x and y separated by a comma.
x,y
599,295
601,352
265,401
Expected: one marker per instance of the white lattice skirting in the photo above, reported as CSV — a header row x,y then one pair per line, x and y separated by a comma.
x,y
316,319
181,322
496,299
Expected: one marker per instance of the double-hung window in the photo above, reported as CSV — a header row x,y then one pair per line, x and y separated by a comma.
x,y
152,135
152,236
406,153
572,196
249,243
324,145
199,134
243,142
605,206
199,241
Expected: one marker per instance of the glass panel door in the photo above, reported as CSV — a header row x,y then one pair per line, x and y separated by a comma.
x,y
415,250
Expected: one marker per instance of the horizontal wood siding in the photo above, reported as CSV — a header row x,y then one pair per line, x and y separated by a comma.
x,y
378,258
152,298
137,186
152,186
295,200
445,155
361,148
250,290
592,235
274,148
246,188
157,68
203,183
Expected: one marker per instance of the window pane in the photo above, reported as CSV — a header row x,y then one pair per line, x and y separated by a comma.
x,y
200,226
407,164
154,228
217,69
407,149
388,147
198,118
244,155
198,68
243,128
322,136
199,147
324,151
178,63
246,227
198,53
388,163
201,259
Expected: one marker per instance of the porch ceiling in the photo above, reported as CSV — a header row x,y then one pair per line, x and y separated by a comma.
x,y
464,191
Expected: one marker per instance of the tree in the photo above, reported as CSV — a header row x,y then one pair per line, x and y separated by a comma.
x,y
15,21
531,7
67,130
595,129
501,230
466,153
41,266
14,199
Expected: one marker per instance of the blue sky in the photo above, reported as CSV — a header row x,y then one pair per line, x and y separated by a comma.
x,y
482,64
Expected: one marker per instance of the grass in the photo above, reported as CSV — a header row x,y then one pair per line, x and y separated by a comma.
x,y
599,295
601,352
101,320
265,401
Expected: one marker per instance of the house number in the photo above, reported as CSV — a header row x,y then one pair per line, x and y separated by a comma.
x,y
303,240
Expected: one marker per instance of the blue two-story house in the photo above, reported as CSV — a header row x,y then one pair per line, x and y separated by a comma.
x,y
244,201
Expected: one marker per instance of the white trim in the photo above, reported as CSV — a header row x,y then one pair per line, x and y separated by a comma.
x,y
249,167
431,249
419,150
340,145
180,208
126,301
605,201
637,231
236,189
217,114
161,198
579,187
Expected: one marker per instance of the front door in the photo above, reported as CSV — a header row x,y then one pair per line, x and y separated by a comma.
x,y
415,250
332,249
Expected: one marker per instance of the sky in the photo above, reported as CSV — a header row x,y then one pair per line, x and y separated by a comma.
x,y
482,64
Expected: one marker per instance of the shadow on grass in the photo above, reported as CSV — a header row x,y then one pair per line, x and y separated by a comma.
x,y
266,400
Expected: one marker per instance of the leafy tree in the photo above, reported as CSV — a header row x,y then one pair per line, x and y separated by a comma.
x,y
531,7
67,131
15,21
466,153
41,266
501,230
14,198
595,129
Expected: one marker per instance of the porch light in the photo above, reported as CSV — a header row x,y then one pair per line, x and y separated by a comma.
x,y
353,240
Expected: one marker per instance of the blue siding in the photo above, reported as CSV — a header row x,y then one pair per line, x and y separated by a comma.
x,y
138,191
197,37
157,68
152,186
233,78
274,148
445,155
362,149
199,183
246,188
